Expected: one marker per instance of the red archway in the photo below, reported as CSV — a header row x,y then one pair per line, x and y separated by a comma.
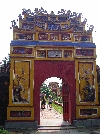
x,y
61,69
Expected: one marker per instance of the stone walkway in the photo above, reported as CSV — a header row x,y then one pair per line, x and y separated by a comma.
x,y
49,117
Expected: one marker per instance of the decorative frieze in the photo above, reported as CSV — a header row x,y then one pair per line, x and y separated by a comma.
x,y
54,53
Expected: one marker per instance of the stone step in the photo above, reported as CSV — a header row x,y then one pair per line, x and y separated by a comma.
x,y
64,127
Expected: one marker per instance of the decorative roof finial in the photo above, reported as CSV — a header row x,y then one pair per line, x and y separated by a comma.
x,y
13,23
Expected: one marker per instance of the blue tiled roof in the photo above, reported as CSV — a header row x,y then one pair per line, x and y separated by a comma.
x,y
35,43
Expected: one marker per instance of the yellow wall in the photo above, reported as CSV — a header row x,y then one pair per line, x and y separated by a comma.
x,y
22,65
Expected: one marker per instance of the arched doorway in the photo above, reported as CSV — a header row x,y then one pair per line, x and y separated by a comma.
x,y
51,114
61,69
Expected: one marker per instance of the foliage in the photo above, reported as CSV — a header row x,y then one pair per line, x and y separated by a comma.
x,y
57,108
5,65
6,59
59,99
47,91
44,89
3,131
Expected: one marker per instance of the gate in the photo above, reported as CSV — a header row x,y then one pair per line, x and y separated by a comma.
x,y
65,97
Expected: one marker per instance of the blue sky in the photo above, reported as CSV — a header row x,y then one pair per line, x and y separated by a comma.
x,y
10,9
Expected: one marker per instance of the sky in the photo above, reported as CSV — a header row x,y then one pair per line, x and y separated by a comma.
x,y
53,79
10,9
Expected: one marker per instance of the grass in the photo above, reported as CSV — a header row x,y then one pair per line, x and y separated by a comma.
x,y
3,131
57,108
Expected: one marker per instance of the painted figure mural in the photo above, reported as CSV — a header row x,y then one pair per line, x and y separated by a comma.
x,y
87,91
21,82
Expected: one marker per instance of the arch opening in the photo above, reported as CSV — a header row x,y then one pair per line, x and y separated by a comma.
x,y
62,70
53,113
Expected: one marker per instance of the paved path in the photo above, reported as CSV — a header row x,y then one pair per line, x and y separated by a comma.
x,y
51,118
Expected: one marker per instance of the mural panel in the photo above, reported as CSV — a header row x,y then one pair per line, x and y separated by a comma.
x,y
54,37
86,82
20,113
54,53
68,53
21,83
87,112
43,36
21,50
24,36
82,38
66,37
41,53
84,52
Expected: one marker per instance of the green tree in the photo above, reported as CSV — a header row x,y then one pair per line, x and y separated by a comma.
x,y
44,89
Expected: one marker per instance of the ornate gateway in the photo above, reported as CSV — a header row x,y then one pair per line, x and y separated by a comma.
x,y
48,45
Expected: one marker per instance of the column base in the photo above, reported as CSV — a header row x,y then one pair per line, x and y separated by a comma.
x,y
21,125
86,122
